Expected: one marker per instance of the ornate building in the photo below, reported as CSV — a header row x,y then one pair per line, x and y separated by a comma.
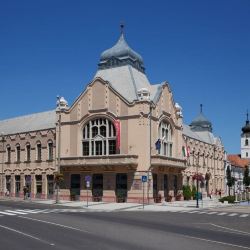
x,y
206,155
119,129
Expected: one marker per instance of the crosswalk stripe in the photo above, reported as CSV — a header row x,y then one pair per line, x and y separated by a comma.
x,y
233,214
6,213
192,212
222,213
244,215
15,212
212,213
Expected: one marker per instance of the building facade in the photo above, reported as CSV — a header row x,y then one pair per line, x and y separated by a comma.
x,y
206,156
119,129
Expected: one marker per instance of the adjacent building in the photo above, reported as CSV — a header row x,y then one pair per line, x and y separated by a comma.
x,y
238,162
120,129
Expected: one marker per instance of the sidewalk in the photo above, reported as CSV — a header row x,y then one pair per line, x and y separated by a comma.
x,y
108,207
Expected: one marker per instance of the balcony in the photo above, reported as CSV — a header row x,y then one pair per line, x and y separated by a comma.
x,y
102,160
164,161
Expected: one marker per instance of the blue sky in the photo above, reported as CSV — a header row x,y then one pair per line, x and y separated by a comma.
x,y
201,47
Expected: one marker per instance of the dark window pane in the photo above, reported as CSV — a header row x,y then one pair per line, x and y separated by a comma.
x,y
98,147
85,148
94,132
112,147
103,131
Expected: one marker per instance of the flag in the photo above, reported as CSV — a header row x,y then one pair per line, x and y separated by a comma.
x,y
158,145
186,151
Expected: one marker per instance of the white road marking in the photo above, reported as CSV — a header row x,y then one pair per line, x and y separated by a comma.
x,y
55,224
222,213
192,212
27,235
233,214
15,212
234,230
244,215
217,242
212,213
6,213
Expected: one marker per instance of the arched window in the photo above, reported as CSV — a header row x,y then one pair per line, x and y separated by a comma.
x,y
165,136
8,156
246,142
18,153
39,151
50,150
99,137
28,149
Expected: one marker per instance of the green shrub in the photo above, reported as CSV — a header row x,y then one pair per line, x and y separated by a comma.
x,y
230,199
194,192
187,193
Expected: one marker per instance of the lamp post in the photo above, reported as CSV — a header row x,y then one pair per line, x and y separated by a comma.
x,y
2,172
61,107
197,178
150,154
197,185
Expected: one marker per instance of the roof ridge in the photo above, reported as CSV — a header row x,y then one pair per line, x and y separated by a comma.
x,y
27,115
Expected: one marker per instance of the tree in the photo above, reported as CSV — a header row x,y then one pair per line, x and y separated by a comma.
x,y
230,179
246,179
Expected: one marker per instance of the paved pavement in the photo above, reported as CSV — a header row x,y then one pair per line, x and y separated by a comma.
x,y
165,206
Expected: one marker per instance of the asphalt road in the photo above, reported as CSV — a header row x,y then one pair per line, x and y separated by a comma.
x,y
39,226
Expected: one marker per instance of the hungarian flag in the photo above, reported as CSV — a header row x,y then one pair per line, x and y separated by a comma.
x,y
186,151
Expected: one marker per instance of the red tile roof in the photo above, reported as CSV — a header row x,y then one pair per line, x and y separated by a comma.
x,y
236,160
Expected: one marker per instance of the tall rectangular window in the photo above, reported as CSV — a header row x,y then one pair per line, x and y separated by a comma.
x,y
28,152
8,154
50,148
18,153
39,152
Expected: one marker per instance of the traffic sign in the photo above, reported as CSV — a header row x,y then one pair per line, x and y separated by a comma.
x,y
88,178
144,178
87,184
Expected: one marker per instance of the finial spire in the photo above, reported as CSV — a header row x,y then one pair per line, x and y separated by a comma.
x,y
122,27
201,107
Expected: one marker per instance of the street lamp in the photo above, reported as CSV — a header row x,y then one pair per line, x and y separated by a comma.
x,y
62,105
2,135
150,142
197,177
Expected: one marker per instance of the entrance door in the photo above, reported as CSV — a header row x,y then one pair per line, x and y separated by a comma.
x,y
121,187
28,184
75,186
18,186
165,185
97,187
155,187
50,188
38,186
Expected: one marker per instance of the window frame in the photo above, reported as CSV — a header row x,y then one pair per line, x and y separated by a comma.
x,y
97,141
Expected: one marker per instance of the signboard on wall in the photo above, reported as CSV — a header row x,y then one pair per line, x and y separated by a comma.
x,y
118,135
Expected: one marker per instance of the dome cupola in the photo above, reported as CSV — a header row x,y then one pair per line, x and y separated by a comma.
x,y
201,123
121,54
246,128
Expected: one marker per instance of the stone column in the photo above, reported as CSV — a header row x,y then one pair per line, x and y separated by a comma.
x,y
160,181
2,186
44,186
109,187
33,186
13,186
22,184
